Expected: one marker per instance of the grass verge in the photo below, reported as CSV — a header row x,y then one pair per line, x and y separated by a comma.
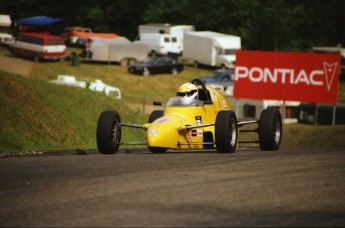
x,y
36,115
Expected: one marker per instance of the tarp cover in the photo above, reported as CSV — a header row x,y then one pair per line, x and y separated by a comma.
x,y
38,20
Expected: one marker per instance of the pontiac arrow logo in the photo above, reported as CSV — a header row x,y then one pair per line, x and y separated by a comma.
x,y
329,69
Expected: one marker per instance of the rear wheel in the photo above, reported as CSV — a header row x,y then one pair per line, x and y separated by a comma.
x,y
132,61
270,129
153,53
226,133
36,58
124,62
108,132
196,64
13,52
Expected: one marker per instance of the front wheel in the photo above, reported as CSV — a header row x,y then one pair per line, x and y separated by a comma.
x,y
174,71
108,132
270,129
146,72
226,132
13,52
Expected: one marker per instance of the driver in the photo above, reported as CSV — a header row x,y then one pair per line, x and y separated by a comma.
x,y
188,93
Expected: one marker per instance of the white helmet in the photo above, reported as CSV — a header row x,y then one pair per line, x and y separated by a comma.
x,y
188,93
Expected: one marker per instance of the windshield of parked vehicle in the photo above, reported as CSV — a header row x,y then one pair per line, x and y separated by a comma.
x,y
150,59
178,102
219,76
229,51
214,75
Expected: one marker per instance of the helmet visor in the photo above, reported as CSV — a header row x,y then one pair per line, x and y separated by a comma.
x,y
188,93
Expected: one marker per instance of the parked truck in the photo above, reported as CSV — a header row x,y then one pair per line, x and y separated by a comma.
x,y
119,50
77,36
211,48
5,23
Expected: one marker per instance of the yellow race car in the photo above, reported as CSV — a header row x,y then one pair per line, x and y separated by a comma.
x,y
198,117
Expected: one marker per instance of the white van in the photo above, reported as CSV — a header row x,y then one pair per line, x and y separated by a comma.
x,y
160,43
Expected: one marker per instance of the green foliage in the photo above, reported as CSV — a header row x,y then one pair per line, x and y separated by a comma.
x,y
262,24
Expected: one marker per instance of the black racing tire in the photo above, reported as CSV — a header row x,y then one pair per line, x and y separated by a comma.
x,y
155,115
108,133
226,132
270,129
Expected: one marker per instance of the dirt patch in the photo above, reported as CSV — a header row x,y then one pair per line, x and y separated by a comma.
x,y
15,65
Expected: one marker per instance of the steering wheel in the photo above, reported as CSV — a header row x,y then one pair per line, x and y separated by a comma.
x,y
204,92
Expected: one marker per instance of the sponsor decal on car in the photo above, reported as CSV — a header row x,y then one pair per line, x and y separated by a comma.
x,y
153,132
197,133
224,103
198,120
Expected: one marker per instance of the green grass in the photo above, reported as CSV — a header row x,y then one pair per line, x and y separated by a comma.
x,y
36,115
134,88
310,136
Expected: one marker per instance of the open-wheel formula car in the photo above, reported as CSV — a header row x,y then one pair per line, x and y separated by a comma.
x,y
204,120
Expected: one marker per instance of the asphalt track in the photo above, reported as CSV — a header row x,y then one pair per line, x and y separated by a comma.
x,y
285,188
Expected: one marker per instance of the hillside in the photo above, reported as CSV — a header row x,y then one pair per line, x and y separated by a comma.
x,y
36,115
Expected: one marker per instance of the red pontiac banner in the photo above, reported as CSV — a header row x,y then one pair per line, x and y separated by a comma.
x,y
289,76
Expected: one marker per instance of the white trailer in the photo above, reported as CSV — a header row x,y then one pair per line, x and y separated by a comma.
x,y
5,23
211,48
170,29
118,49
160,44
